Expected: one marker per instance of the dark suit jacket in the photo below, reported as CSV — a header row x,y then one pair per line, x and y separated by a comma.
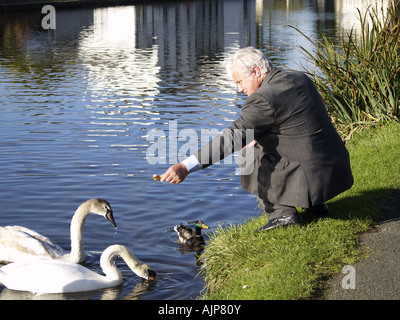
x,y
299,160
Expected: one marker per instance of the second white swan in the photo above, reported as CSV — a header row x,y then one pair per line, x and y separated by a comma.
x,y
57,276
20,244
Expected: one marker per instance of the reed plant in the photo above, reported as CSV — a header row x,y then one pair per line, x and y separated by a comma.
x,y
358,74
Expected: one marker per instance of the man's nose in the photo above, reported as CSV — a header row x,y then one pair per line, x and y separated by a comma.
x,y
239,88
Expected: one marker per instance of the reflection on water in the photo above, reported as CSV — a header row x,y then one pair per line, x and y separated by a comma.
x,y
77,105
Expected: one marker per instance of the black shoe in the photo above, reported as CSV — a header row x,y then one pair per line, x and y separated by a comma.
x,y
320,211
285,221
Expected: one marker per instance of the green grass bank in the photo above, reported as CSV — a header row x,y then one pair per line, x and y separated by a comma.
x,y
294,263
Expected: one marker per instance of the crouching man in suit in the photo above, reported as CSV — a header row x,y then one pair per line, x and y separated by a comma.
x,y
299,158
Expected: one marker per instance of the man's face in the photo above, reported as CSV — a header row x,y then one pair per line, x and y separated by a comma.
x,y
245,83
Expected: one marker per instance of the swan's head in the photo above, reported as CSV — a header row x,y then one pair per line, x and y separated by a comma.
x,y
145,271
152,275
103,208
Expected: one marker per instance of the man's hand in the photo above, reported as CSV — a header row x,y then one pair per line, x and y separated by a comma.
x,y
251,144
175,174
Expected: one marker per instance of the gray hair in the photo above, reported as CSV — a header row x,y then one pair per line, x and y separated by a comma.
x,y
248,58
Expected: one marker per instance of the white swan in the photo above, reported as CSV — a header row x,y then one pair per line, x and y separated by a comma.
x,y
42,275
19,243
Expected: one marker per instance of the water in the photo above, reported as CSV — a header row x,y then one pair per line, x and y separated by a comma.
x,y
82,105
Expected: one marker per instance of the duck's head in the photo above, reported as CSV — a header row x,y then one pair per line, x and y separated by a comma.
x,y
199,224
103,208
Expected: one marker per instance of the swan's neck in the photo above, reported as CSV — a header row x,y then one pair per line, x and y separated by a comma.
x,y
76,233
110,269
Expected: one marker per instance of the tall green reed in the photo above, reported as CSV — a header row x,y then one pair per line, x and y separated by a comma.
x,y
358,74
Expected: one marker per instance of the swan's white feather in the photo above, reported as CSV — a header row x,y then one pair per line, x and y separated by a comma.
x,y
19,244
43,275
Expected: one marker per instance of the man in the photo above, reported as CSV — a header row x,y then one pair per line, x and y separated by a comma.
x,y
299,159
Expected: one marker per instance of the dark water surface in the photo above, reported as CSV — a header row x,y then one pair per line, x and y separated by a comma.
x,y
81,107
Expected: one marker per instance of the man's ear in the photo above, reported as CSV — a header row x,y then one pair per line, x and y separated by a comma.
x,y
257,71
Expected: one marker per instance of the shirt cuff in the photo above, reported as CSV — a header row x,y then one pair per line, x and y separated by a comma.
x,y
192,164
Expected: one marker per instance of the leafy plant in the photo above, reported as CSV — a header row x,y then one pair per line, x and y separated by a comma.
x,y
358,75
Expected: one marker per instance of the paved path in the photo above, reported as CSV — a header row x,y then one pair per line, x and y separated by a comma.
x,y
378,276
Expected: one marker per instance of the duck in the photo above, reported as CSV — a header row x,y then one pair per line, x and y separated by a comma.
x,y
48,276
189,237
19,243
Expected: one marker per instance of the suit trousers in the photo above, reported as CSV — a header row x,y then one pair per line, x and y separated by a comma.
x,y
277,210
